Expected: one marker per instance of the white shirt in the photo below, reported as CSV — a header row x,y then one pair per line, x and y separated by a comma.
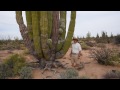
x,y
76,47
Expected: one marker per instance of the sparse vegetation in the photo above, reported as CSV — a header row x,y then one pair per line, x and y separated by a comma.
x,y
106,56
114,74
25,73
69,74
9,44
5,71
91,44
15,62
101,45
117,39
84,46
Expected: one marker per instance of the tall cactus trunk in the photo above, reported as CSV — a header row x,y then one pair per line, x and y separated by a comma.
x,y
50,23
55,33
62,30
36,34
44,34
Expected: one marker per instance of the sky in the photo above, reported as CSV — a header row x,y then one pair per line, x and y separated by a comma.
x,y
86,21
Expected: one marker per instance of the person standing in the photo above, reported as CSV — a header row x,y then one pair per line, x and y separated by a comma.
x,y
75,52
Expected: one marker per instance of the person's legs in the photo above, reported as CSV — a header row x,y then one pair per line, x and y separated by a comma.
x,y
73,60
76,60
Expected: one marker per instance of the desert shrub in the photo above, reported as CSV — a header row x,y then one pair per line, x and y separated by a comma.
x,y
10,44
5,71
117,39
90,44
113,74
106,56
69,74
101,45
26,51
83,77
25,73
84,46
15,63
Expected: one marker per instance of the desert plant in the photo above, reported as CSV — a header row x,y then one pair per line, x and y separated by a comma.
x,y
44,35
117,39
5,71
84,46
15,62
102,55
83,77
105,56
113,74
69,74
100,45
9,44
90,44
25,73
88,36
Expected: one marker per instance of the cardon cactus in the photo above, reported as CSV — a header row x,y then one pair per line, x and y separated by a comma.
x,y
45,32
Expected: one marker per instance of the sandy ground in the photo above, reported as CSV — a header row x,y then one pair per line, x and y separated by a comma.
x,y
92,69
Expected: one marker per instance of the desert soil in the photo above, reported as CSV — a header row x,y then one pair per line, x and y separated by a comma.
x,y
92,69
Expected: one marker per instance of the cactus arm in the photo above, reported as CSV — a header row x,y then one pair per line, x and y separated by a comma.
x,y
24,31
63,17
70,32
29,24
36,34
50,22
44,34
62,30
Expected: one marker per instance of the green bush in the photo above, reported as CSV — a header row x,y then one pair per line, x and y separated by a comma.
x,y
114,74
106,56
25,73
5,71
10,44
84,77
15,63
69,74
117,39
84,46
90,44
101,45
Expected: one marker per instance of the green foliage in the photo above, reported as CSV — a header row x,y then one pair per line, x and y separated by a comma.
x,y
10,44
88,36
15,63
117,39
97,36
5,71
101,45
69,74
114,74
25,73
90,44
84,46
84,77
106,56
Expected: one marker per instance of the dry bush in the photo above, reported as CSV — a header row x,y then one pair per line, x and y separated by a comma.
x,y
106,56
114,74
69,74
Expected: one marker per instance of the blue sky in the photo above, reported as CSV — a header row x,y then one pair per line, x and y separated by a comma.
x,y
92,21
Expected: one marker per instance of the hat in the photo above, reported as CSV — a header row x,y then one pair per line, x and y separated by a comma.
x,y
74,38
